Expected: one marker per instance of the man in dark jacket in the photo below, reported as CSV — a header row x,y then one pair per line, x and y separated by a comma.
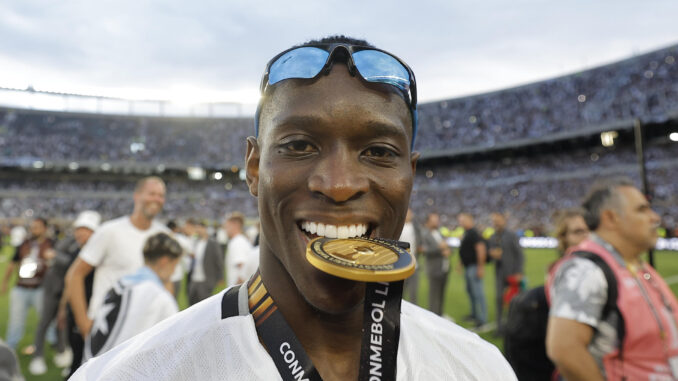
x,y
509,260
436,252
208,268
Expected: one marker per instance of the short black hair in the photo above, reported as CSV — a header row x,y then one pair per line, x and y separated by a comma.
x,y
171,224
337,39
161,245
41,219
601,196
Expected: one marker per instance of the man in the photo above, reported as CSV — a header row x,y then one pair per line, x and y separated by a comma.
x,y
208,267
137,301
634,339
437,253
241,261
411,234
66,252
114,251
509,261
85,224
30,262
332,155
183,235
472,254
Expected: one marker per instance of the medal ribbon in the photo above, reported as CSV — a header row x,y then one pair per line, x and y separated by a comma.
x,y
379,347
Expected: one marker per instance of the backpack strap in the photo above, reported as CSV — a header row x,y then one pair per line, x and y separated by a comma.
x,y
612,293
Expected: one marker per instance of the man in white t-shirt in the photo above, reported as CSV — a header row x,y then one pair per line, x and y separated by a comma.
x,y
241,261
137,301
333,155
114,250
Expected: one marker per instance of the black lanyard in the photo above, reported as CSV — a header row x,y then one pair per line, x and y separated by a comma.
x,y
379,347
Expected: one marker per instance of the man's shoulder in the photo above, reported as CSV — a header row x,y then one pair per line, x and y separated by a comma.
x,y
182,332
439,346
114,224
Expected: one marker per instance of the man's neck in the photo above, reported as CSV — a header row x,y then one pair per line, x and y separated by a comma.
x,y
332,341
629,253
140,221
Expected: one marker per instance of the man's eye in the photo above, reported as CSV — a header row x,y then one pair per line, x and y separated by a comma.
x,y
381,152
300,146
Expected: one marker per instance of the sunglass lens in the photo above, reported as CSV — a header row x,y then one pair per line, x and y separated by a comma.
x,y
376,66
303,62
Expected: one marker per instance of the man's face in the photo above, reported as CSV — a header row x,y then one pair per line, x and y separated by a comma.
x,y
637,221
336,152
498,221
433,221
82,235
38,228
464,221
150,198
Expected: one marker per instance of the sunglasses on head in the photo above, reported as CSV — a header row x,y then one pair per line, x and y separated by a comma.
x,y
372,64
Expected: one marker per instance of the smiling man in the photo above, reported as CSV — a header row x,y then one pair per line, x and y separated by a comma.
x,y
332,158
114,250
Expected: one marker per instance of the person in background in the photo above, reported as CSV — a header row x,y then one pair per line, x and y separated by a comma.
x,y
473,255
437,255
208,267
30,261
571,228
240,263
509,263
114,251
137,301
631,334
66,251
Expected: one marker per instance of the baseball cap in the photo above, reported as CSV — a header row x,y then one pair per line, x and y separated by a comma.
x,y
87,219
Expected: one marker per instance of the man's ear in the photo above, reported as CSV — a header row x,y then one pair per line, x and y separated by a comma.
x,y
252,165
608,217
414,156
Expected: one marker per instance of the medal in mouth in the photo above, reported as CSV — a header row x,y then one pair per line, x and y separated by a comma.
x,y
361,259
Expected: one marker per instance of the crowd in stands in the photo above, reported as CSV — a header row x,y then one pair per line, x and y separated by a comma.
x,y
528,186
644,87
110,138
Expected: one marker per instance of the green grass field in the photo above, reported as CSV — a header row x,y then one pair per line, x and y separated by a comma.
x,y
456,300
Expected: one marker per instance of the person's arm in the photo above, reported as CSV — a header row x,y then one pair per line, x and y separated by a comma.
x,y
8,275
481,256
75,294
567,346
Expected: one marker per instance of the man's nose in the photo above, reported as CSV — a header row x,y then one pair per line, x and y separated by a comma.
x,y
339,176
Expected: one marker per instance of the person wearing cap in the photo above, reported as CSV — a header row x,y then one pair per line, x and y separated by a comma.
x,y
332,158
66,251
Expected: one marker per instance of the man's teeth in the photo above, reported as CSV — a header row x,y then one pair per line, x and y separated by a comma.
x,y
334,231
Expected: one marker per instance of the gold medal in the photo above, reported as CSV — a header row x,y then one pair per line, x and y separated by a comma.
x,y
361,259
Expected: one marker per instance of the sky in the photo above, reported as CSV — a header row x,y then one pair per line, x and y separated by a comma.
x,y
216,50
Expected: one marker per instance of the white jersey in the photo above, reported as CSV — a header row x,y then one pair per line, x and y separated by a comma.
x,y
115,250
408,235
136,303
185,263
197,344
239,260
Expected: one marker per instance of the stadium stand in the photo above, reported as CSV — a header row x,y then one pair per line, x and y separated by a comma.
x,y
527,150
